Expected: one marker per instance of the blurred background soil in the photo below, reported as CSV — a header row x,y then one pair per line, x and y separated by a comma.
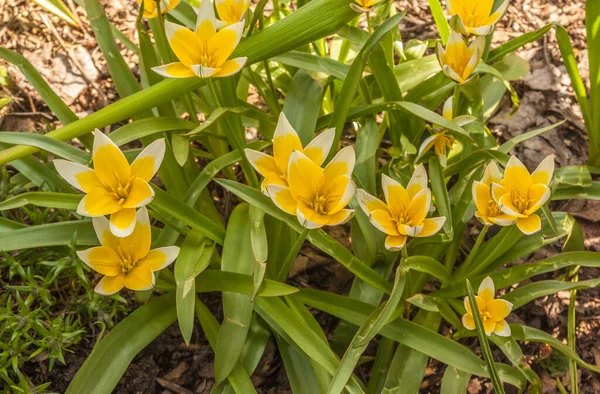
x,y
72,63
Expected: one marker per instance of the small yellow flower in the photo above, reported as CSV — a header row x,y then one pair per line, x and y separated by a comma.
x,y
231,11
126,262
474,16
204,51
458,60
285,141
317,196
405,211
114,187
364,5
492,311
488,210
521,194
440,141
151,7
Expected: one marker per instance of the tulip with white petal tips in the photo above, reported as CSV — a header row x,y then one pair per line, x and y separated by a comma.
x,y
488,211
521,194
205,51
114,187
404,212
492,310
474,16
458,60
151,7
128,261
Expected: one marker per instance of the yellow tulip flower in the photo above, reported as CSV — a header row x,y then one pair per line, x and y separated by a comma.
x,y
521,194
364,5
474,16
114,187
126,262
404,213
492,311
317,196
151,7
441,141
458,60
488,210
204,51
285,140
231,11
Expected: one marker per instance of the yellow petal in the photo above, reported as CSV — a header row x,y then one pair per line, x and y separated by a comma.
x,y
468,322
206,21
502,329
282,197
101,259
502,220
185,44
231,11
498,191
305,178
431,226
529,225
383,221
539,194
139,278
262,162
110,284
419,207
486,289
395,242
110,163
318,149
78,176
341,164
309,218
98,202
339,217
418,181
369,203
447,111
489,326
285,141
396,196
499,308
140,194
480,304
160,258
481,195
508,207
122,222
491,174
231,67
222,44
149,160
102,229
137,245
516,177
339,193
174,70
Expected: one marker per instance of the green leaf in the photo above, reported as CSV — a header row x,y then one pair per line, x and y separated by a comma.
x,y
317,237
237,308
513,351
238,378
510,144
527,293
374,323
109,359
428,265
168,205
48,144
408,333
346,94
42,199
260,247
214,280
314,63
591,192
455,381
53,234
573,176
146,127
440,20
302,113
193,258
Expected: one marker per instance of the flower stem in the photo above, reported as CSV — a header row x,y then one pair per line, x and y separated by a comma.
x,y
404,253
473,253
289,260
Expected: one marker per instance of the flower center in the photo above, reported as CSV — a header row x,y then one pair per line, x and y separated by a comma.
x,y
402,219
127,262
493,209
318,205
485,315
121,192
520,202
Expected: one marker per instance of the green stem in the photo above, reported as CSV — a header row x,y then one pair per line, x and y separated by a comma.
x,y
473,252
289,260
213,92
456,100
272,90
404,252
